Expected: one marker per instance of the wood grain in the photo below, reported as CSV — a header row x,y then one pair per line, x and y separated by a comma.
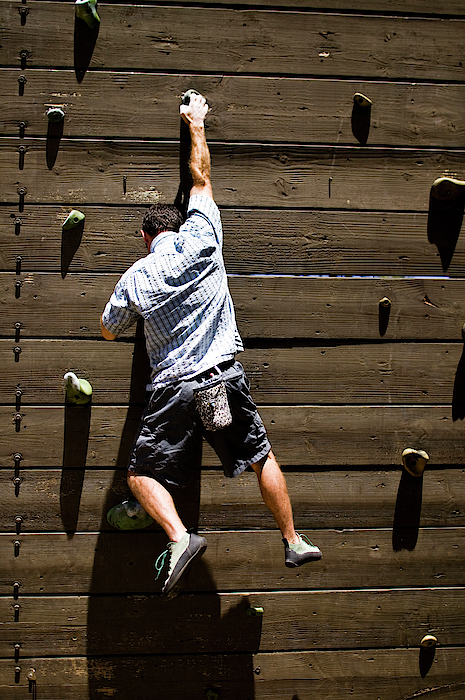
x,y
280,241
397,373
271,176
244,41
372,436
320,499
219,623
311,674
242,108
266,307
122,562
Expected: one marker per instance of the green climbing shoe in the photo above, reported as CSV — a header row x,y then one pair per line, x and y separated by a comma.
x,y
181,555
300,553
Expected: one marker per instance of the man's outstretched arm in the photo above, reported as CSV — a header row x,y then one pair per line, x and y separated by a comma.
x,y
199,164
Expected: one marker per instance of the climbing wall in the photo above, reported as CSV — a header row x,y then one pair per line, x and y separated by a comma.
x,y
349,284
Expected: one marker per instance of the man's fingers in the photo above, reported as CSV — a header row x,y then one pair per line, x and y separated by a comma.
x,y
196,109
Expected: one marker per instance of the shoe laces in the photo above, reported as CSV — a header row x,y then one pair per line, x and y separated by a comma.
x,y
306,539
160,561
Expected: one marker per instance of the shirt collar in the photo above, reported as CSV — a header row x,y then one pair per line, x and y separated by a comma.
x,y
158,237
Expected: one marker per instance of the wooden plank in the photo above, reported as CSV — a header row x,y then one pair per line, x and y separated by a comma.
x,y
387,373
320,498
244,108
244,41
92,173
122,562
289,242
266,307
384,7
219,623
385,674
372,436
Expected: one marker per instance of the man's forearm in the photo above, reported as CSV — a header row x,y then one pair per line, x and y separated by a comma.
x,y
199,163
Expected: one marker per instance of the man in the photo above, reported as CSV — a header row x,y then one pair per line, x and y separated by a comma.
x,y
180,289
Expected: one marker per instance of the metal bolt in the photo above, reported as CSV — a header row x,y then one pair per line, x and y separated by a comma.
x,y
18,285
22,127
17,545
17,331
17,482
16,609
17,223
17,673
19,260
18,394
16,587
19,521
21,151
18,418
17,650
17,352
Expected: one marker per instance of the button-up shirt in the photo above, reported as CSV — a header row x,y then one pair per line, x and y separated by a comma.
x,y
181,291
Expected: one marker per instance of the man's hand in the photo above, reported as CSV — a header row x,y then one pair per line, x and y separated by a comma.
x,y
195,112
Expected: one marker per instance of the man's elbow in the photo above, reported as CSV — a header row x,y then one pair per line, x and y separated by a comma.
x,y
106,333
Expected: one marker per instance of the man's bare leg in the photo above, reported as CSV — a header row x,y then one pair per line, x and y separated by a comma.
x,y
275,494
158,503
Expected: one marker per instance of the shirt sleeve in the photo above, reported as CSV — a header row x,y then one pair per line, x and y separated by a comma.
x,y
203,218
118,315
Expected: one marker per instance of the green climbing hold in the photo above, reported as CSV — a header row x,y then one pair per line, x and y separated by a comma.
x,y
73,219
129,515
254,612
87,11
78,391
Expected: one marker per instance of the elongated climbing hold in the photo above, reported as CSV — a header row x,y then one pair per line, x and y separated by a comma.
x,y
129,515
448,188
73,219
87,11
362,100
414,461
78,391
429,640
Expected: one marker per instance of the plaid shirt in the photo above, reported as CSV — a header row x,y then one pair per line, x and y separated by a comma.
x,y
181,291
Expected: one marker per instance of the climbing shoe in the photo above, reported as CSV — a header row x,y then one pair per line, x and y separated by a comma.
x,y
181,556
300,553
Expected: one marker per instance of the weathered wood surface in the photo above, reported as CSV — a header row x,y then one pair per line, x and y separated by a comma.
x,y
122,562
247,108
320,499
266,307
384,7
372,436
386,373
387,674
289,242
76,626
286,176
244,41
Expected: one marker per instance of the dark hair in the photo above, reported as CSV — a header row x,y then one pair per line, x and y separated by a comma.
x,y
162,217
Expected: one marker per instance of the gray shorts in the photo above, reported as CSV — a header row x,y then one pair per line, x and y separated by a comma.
x,y
168,443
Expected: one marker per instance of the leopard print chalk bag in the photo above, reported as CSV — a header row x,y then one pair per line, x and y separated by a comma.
x,y
212,404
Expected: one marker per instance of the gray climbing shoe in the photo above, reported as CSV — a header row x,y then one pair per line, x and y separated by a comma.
x,y
181,555
129,515
300,553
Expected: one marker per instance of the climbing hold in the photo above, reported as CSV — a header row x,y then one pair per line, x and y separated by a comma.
x,y
212,694
78,391
254,611
186,98
429,640
129,515
362,100
73,219
448,188
463,331
385,301
414,461
87,11
55,115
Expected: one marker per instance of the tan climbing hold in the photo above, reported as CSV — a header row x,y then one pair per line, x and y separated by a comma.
x,y
362,100
448,188
429,640
414,461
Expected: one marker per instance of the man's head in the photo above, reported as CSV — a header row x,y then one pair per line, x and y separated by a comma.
x,y
160,217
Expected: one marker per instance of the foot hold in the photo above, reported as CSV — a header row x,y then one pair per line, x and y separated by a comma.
x,y
414,461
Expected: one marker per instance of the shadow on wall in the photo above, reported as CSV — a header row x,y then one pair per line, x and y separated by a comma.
x,y
445,218
138,643
407,512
